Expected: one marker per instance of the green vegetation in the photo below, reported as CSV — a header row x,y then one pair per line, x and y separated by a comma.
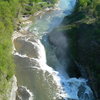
x,y
83,31
9,11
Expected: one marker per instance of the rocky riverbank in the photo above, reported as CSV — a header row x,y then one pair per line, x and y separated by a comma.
x,y
21,92
11,90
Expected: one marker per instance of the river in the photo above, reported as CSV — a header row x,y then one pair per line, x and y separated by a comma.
x,y
41,60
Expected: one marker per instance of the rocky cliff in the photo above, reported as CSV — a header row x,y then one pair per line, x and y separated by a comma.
x,y
82,28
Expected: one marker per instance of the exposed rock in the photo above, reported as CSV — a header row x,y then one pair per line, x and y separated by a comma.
x,y
23,94
25,45
10,93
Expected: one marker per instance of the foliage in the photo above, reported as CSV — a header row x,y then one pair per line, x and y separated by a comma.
x,y
84,38
9,10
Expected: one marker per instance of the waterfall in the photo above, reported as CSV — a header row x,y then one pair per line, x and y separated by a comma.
x,y
40,66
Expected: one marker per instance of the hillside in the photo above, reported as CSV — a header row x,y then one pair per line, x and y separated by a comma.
x,y
10,13
83,31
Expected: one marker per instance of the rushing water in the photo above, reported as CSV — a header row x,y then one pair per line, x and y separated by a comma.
x,y
41,66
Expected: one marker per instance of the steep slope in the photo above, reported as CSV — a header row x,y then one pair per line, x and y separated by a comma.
x,y
83,31
10,13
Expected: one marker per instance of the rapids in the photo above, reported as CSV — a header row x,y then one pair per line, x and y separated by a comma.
x,y
41,62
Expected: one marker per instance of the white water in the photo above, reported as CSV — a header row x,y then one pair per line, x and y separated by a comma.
x,y
24,94
51,20
66,87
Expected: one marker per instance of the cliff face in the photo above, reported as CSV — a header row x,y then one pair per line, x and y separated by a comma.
x,y
83,31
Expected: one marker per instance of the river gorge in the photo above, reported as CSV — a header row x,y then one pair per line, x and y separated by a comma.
x,y
41,58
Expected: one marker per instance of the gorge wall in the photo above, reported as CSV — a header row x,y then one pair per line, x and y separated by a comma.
x,y
82,28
